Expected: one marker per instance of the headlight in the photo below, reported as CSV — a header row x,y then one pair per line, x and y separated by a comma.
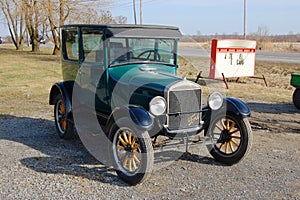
x,y
157,105
215,100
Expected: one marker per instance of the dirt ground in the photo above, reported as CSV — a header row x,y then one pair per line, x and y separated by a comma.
x,y
37,164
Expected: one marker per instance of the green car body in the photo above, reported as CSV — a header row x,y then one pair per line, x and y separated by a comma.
x,y
127,75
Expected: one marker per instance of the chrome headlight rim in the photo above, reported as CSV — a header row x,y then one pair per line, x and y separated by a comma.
x,y
158,106
215,100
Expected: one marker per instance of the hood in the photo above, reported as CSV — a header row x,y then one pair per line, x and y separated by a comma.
x,y
152,76
137,84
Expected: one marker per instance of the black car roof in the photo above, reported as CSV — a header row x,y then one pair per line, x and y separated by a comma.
x,y
130,30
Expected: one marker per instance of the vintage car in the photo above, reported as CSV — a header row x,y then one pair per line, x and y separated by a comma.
x,y
127,75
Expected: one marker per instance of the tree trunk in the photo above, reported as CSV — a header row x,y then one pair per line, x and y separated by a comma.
x,y
35,45
56,50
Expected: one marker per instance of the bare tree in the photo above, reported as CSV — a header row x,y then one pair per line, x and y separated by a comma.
x,y
57,11
37,16
120,19
33,16
13,11
61,11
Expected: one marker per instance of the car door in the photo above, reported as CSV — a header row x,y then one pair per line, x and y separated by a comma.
x,y
92,71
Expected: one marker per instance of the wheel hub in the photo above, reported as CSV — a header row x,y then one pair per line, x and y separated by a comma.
x,y
224,137
128,149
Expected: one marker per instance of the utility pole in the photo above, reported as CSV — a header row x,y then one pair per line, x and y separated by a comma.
x,y
245,34
134,11
141,12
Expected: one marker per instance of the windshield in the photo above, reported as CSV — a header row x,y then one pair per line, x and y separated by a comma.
x,y
136,50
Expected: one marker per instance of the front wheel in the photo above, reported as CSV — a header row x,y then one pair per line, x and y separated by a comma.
x,y
132,151
230,138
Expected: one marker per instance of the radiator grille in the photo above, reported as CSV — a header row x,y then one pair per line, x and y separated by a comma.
x,y
184,107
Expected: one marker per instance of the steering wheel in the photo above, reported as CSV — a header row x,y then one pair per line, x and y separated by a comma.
x,y
149,52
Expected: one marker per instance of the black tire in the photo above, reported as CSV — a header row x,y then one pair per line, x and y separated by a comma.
x,y
230,138
132,151
296,98
64,127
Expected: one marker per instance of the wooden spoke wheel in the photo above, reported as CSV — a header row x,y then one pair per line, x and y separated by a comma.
x,y
128,151
132,151
230,138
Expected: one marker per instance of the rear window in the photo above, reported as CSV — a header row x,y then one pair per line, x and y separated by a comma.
x,y
70,44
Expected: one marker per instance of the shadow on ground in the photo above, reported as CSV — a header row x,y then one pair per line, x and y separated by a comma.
x,y
67,157
273,108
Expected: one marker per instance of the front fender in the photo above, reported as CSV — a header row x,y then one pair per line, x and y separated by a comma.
x,y
140,117
237,106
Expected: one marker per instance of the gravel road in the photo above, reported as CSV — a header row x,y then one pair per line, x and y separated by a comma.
x,y
36,164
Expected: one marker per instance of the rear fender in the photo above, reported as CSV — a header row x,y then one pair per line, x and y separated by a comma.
x,y
66,93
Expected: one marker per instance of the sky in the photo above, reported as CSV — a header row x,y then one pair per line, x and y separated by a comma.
x,y
217,16
210,16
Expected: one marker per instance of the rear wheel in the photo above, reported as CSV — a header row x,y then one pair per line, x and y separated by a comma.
x,y
296,98
64,127
132,151
230,138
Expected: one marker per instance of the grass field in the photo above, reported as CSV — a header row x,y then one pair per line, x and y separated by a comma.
x,y
26,78
277,75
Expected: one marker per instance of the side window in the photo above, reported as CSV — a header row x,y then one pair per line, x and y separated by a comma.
x,y
70,42
93,46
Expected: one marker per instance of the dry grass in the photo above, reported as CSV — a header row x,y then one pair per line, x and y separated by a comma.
x,y
26,78
277,74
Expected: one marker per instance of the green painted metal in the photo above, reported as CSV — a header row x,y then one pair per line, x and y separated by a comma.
x,y
295,80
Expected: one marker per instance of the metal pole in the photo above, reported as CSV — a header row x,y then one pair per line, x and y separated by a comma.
x,y
141,12
245,34
134,12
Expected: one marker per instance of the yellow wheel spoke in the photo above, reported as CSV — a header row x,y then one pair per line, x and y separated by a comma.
x,y
232,126
129,138
235,131
125,137
216,135
122,155
219,127
234,142
133,142
136,158
236,137
227,124
220,147
231,147
122,141
134,164
125,162
62,108
121,148
135,147
63,124
222,122
130,165
226,148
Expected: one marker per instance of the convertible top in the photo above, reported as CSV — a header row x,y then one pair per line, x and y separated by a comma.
x,y
129,30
